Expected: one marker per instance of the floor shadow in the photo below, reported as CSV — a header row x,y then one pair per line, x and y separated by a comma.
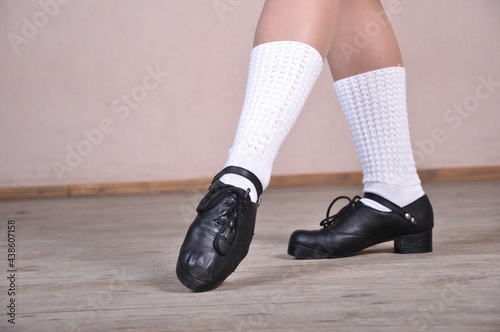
x,y
171,284
361,253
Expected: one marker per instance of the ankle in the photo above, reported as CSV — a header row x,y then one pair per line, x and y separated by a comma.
x,y
242,178
399,195
241,182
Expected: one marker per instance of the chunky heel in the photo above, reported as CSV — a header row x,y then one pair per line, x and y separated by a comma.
x,y
414,244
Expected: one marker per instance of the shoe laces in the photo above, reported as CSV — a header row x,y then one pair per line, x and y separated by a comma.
x,y
343,212
228,216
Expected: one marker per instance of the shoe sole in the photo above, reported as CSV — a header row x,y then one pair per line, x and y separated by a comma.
x,y
410,244
193,283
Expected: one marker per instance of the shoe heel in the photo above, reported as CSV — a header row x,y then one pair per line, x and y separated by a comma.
x,y
414,244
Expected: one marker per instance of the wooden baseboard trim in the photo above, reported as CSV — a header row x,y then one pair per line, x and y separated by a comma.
x,y
280,181
460,174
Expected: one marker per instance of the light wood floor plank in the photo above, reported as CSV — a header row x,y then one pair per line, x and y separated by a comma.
x,y
108,263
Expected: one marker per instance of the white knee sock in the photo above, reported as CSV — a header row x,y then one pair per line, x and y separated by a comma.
x,y
374,104
280,78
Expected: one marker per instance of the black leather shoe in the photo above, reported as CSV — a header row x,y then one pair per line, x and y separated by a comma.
x,y
357,226
220,236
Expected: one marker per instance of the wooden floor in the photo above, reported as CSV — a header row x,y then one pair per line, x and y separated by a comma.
x,y
104,263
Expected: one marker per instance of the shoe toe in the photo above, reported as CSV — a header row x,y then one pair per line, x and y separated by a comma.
x,y
304,244
199,263
302,238
195,269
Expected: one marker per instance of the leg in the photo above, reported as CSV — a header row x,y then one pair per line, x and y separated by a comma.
x,y
310,22
373,66
291,41
364,40
366,64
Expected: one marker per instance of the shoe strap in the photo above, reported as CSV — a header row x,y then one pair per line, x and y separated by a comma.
x,y
244,173
390,205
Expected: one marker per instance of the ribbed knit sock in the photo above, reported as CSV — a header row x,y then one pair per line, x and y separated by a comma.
x,y
374,104
280,78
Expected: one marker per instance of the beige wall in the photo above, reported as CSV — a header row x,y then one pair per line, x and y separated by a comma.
x,y
70,71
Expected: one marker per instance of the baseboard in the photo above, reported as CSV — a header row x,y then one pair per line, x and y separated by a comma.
x,y
155,187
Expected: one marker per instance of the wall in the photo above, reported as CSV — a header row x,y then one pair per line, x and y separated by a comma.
x,y
121,91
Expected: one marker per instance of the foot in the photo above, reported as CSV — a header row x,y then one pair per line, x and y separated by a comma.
x,y
357,226
220,236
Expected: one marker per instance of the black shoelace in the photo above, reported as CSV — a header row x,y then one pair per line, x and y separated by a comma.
x,y
228,218
343,212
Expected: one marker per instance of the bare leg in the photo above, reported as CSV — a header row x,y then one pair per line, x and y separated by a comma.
x,y
364,40
311,22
